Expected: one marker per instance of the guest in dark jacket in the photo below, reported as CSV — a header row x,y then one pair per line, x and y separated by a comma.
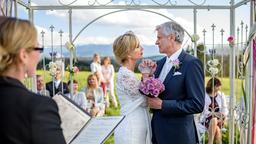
x,y
57,85
25,117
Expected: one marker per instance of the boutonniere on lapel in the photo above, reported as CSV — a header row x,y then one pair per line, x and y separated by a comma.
x,y
176,64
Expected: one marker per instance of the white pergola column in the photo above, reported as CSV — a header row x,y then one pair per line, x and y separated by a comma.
x,y
195,31
232,75
71,51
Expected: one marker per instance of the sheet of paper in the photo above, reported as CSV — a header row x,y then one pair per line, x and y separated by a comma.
x,y
97,130
73,118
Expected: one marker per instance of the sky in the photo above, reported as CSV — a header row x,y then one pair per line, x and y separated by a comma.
x,y
106,29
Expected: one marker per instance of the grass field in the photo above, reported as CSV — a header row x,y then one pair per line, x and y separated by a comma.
x,y
111,111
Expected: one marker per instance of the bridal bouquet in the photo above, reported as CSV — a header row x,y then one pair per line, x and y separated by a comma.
x,y
149,85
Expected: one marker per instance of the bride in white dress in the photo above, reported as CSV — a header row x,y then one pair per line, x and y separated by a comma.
x,y
135,128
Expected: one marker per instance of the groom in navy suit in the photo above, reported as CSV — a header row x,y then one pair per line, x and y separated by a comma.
x,y
182,75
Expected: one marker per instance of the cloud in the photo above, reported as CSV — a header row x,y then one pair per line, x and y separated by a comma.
x,y
135,20
104,30
65,37
47,37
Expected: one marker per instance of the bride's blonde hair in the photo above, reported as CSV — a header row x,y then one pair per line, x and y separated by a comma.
x,y
124,45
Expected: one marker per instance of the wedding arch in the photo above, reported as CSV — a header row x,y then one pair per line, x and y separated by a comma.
x,y
245,72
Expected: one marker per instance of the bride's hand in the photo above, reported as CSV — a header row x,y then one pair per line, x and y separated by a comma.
x,y
145,76
153,66
147,66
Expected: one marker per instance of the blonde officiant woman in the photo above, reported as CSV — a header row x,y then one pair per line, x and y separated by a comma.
x,y
26,118
135,128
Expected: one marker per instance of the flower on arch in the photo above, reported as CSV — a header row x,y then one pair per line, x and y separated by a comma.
x,y
213,70
231,41
213,66
53,68
69,46
195,37
72,70
214,62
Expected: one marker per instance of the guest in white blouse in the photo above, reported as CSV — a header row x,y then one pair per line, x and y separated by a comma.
x,y
95,97
215,110
77,97
108,74
96,69
95,65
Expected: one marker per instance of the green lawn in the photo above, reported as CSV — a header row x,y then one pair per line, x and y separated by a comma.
x,y
82,76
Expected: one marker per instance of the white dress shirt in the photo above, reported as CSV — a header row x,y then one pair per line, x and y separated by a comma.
x,y
56,83
168,64
95,67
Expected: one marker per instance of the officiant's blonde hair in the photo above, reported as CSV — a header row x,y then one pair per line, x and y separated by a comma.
x,y
15,34
124,45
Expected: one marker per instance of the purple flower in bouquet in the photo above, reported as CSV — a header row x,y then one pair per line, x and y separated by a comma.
x,y
151,87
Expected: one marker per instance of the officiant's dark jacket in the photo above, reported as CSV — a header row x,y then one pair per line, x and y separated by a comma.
x,y
27,118
183,96
49,87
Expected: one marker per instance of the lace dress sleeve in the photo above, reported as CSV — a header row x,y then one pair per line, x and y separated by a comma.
x,y
128,83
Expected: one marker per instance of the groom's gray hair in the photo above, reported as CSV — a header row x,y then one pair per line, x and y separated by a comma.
x,y
171,27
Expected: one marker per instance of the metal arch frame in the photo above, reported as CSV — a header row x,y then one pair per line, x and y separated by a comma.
x,y
94,20
232,7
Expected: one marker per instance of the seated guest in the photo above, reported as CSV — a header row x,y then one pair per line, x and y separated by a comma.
x,y
215,110
25,117
77,97
95,97
56,86
41,87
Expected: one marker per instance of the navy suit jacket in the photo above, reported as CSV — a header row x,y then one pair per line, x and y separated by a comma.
x,y
49,87
183,96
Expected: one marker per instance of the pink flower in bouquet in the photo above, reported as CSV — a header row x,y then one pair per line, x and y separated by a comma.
x,y
151,87
231,40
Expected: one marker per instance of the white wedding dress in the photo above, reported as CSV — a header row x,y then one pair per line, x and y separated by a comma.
x,y
135,128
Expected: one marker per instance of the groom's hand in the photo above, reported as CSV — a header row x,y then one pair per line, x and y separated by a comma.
x,y
155,103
